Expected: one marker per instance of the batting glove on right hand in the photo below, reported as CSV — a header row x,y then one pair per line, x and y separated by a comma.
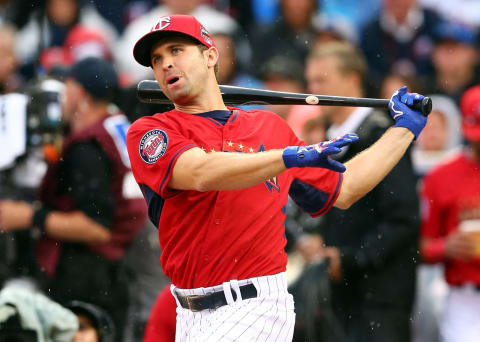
x,y
317,155
405,116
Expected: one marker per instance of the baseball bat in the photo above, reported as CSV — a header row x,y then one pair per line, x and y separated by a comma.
x,y
149,92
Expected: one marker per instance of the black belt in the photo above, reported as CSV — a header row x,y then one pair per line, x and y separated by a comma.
x,y
214,300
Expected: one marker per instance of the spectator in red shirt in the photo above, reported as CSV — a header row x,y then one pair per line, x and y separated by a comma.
x,y
451,227
162,321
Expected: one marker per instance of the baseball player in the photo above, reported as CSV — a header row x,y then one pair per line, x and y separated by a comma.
x,y
451,227
216,180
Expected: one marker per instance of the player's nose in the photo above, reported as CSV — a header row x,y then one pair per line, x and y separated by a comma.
x,y
167,63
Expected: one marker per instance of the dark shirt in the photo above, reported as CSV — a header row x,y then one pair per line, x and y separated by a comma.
x,y
377,237
86,176
383,51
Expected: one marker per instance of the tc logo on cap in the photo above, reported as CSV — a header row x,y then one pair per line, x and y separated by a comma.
x,y
164,22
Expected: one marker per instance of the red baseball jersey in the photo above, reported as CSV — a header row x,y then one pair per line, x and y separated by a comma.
x,y
450,199
215,236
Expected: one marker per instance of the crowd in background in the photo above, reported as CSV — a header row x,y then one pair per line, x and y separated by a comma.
x,y
364,274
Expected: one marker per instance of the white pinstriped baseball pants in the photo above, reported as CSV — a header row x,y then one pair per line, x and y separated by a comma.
x,y
269,317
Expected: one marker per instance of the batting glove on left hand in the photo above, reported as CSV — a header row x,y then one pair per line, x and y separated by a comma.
x,y
317,155
405,116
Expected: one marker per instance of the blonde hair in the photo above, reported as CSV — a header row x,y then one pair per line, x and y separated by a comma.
x,y
349,58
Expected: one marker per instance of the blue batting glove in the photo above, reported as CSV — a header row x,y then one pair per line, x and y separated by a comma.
x,y
317,155
405,116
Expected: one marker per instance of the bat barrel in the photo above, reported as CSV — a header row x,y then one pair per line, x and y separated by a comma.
x,y
232,94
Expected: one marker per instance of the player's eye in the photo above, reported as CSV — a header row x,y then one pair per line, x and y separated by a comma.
x,y
156,59
176,50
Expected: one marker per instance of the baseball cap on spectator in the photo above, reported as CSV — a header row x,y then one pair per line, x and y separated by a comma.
x,y
184,24
470,108
82,42
453,31
97,76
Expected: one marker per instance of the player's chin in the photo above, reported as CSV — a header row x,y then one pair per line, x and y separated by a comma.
x,y
181,97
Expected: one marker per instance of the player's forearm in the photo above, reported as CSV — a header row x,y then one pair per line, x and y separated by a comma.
x,y
232,171
76,227
228,171
369,167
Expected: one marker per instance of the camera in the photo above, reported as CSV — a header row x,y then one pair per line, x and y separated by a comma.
x,y
11,329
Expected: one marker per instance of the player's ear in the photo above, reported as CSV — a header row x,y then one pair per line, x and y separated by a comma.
x,y
212,55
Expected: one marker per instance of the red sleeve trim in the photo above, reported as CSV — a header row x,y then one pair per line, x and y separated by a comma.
x,y
433,250
329,204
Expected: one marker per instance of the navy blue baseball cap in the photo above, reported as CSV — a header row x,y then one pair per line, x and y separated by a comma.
x,y
97,76
100,319
454,31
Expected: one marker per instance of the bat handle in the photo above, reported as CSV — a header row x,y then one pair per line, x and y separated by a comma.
x,y
424,106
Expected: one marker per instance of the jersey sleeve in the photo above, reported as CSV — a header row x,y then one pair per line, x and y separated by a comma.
x,y
153,149
313,189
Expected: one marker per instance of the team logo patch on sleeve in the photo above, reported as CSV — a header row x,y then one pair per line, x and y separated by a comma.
x,y
153,145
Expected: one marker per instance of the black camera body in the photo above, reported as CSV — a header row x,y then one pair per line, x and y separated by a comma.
x,y
11,329
44,113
